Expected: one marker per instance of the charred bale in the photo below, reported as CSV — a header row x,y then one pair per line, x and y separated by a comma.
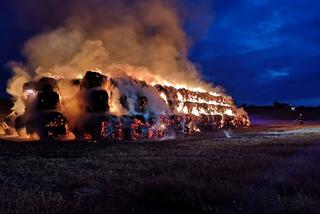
x,y
47,84
92,80
51,125
97,101
47,100
98,127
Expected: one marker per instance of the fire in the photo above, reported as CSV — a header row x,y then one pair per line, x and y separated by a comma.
x,y
103,107
164,97
141,83
29,93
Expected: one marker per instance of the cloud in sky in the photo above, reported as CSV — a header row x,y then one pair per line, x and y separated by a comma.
x,y
264,50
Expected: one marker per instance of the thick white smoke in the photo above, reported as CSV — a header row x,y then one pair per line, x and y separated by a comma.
x,y
102,34
139,38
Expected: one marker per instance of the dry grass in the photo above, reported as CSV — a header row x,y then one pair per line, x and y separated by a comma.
x,y
249,173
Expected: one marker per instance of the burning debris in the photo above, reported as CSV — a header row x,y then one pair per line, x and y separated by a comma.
x,y
120,109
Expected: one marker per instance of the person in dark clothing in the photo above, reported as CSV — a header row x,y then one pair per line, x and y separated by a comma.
x,y
300,119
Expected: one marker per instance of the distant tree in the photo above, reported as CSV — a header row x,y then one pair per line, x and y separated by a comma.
x,y
244,105
279,105
276,104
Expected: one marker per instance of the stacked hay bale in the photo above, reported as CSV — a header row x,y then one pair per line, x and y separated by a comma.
x,y
42,110
97,122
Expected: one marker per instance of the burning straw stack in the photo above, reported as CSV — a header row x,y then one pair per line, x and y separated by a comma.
x,y
209,110
97,122
42,115
150,111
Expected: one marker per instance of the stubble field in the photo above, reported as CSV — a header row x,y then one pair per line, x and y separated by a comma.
x,y
261,169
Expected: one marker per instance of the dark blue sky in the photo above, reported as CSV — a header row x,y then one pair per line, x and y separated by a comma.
x,y
258,50
264,50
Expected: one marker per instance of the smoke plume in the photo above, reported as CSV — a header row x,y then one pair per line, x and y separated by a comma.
x,y
111,69
139,38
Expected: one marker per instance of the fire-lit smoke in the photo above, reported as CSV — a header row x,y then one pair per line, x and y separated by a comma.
x,y
109,35
126,41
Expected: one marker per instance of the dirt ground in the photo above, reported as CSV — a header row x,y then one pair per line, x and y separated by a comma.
x,y
261,169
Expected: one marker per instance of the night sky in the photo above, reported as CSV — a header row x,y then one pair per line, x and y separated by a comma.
x,y
258,50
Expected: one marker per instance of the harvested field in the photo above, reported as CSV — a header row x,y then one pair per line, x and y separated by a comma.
x,y
261,169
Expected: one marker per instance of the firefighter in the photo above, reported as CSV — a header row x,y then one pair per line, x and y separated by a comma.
x,y
300,119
